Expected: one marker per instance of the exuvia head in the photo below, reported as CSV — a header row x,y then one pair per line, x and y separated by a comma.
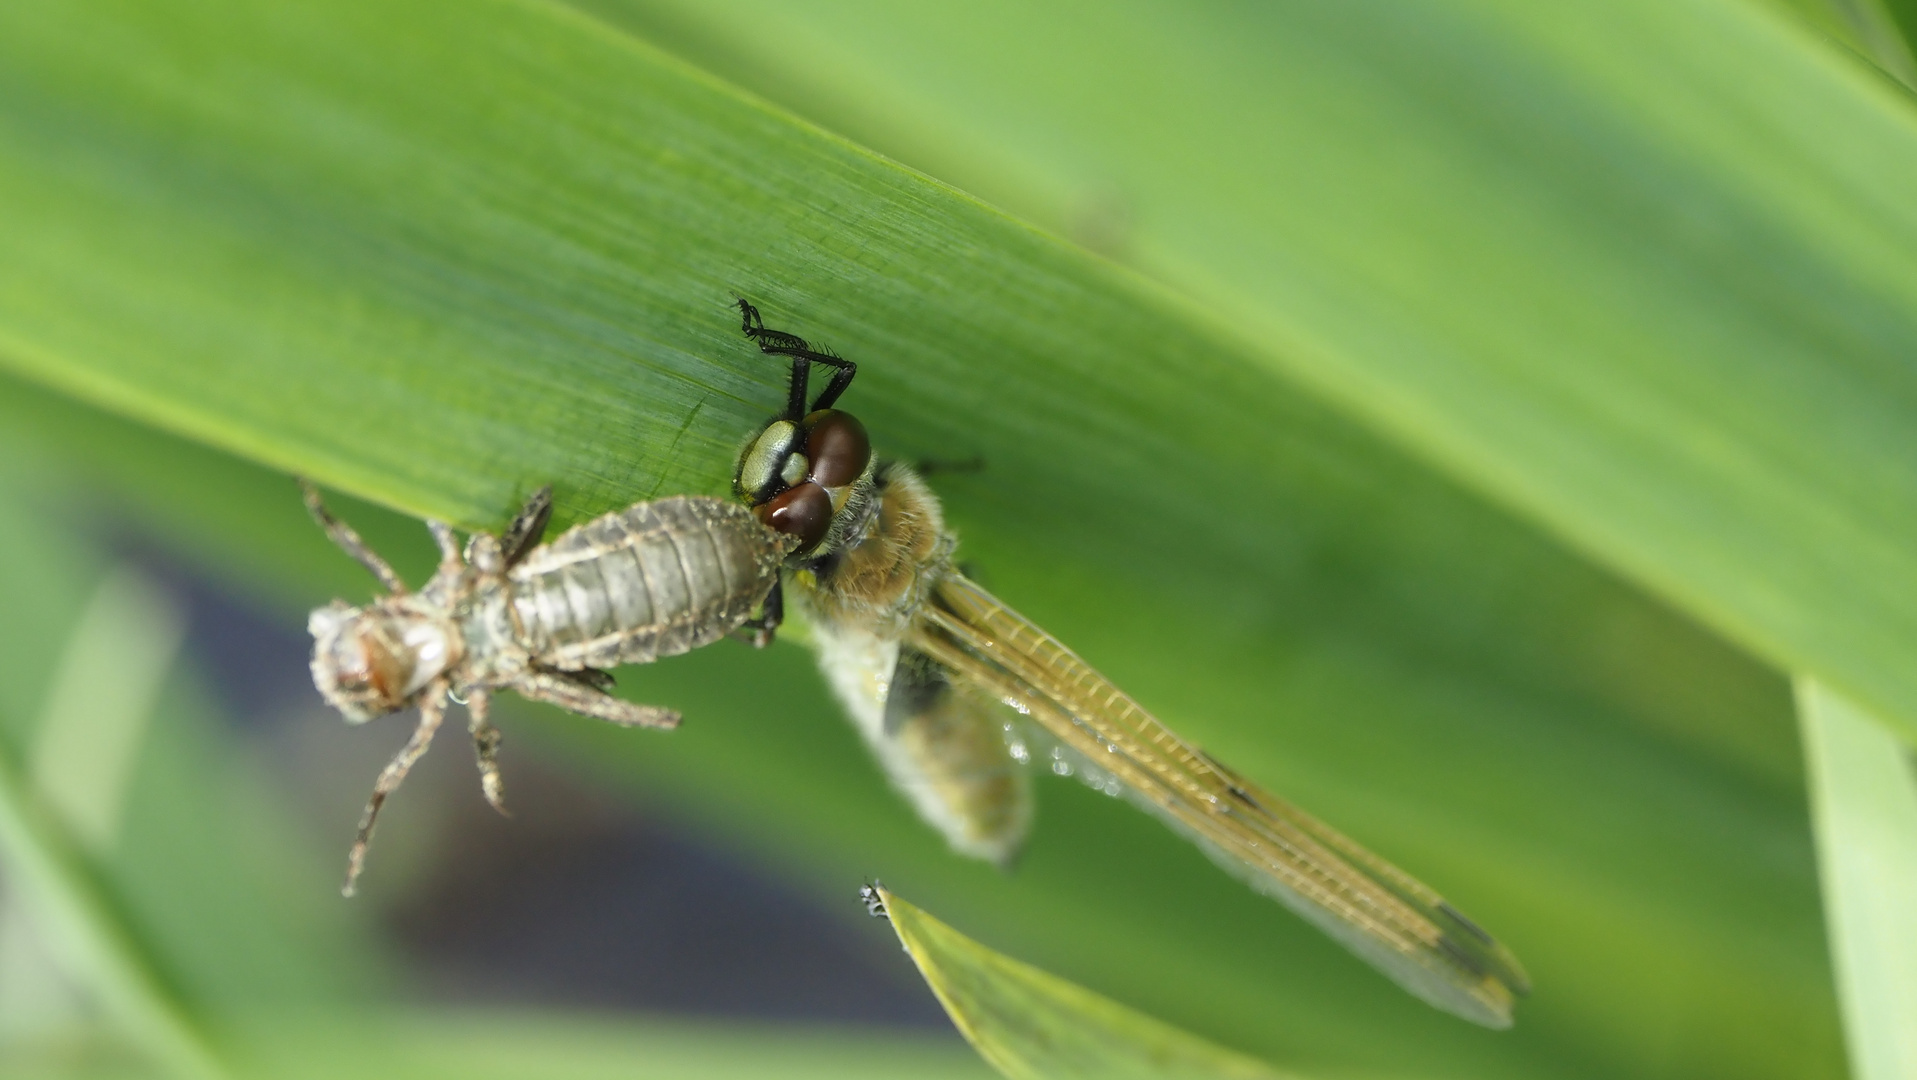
x,y
373,660
799,472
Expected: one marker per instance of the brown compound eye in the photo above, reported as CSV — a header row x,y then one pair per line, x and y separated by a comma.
x,y
838,446
804,511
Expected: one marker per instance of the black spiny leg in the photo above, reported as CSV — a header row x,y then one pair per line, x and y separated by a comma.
x,y
590,678
601,681
780,343
771,615
528,527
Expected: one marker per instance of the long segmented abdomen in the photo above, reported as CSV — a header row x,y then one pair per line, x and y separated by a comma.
x,y
656,579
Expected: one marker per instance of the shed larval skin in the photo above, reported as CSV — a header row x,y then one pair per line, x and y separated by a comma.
x,y
655,579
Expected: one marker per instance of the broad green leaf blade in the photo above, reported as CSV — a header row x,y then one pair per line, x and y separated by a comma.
x,y
1032,1025
327,267
1644,271
1864,803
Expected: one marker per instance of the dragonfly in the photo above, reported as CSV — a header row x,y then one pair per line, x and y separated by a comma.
x,y
954,691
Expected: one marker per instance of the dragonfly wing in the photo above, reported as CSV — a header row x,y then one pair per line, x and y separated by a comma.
x,y
1382,914
942,745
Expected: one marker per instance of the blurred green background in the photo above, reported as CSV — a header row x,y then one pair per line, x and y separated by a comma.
x,y
1461,418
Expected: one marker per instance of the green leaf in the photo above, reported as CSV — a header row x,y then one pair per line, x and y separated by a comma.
x,y
1032,1025
84,932
498,1044
111,672
509,1044
1864,803
155,883
440,253
74,915
1867,26
1642,271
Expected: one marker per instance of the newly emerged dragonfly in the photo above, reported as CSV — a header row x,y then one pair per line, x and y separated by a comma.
x,y
925,661
656,579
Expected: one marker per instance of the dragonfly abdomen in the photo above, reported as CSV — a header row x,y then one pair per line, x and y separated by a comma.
x,y
657,579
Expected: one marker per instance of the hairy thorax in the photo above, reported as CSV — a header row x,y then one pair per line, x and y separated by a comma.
x,y
879,581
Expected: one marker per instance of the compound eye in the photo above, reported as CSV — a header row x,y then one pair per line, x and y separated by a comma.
x,y
804,511
765,460
838,446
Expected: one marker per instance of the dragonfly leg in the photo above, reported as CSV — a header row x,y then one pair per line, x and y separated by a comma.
x,y
780,343
486,740
432,709
571,694
760,631
589,678
593,677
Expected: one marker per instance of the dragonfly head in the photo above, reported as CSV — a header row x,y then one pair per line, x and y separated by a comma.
x,y
797,477
373,660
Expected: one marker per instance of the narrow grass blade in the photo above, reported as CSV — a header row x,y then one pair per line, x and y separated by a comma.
x,y
1864,804
1032,1025
87,933
103,694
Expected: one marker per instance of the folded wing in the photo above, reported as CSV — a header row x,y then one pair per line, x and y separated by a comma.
x,y
941,742
1379,912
